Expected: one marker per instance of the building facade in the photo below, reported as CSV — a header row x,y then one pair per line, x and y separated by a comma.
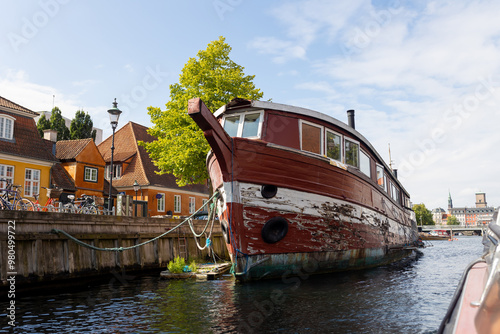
x,y
24,159
481,214
132,165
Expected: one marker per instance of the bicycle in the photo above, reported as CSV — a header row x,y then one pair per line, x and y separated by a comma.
x,y
84,205
50,206
12,200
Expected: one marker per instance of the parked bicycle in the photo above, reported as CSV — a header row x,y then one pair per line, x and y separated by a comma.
x,y
11,198
85,205
52,204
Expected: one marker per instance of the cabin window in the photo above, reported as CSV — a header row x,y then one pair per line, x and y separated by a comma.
x,y
231,125
246,125
333,146
394,192
6,175
364,164
311,138
6,127
90,174
380,176
351,153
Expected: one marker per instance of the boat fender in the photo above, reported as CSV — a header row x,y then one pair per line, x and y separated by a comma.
x,y
274,230
268,190
225,231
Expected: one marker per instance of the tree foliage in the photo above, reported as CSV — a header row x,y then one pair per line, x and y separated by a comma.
x,y
81,126
42,124
452,220
181,148
57,123
423,215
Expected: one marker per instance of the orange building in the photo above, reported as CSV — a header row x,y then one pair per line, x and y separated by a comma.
x,y
84,164
131,163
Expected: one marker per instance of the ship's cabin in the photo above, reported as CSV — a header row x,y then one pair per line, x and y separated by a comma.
x,y
324,138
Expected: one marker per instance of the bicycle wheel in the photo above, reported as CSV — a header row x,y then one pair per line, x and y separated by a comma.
x,y
90,210
24,204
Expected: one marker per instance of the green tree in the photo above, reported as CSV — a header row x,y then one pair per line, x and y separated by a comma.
x,y
57,123
180,148
81,126
423,215
42,124
452,220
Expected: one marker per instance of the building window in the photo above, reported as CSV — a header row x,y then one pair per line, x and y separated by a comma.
x,y
31,182
177,203
311,138
117,171
246,125
6,127
333,146
192,204
351,153
90,174
161,203
6,175
364,164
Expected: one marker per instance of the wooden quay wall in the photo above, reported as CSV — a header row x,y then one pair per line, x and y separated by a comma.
x,y
43,256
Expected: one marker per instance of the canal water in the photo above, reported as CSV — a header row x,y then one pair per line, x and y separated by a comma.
x,y
406,297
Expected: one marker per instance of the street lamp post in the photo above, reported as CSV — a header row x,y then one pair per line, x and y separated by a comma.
x,y
136,189
114,115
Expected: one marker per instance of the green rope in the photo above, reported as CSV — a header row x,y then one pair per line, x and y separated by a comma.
x,y
120,249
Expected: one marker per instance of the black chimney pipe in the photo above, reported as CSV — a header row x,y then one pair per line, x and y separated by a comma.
x,y
350,119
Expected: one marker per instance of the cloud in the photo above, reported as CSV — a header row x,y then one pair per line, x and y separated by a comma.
x,y
304,23
17,87
424,79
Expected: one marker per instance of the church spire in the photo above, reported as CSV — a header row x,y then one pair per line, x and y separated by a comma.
x,y
450,202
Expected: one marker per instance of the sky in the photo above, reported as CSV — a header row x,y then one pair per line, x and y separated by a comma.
x,y
423,77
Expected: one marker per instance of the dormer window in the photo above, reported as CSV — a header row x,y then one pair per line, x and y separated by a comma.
x,y
6,127
117,171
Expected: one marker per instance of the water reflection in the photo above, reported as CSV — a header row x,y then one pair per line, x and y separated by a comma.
x,y
406,297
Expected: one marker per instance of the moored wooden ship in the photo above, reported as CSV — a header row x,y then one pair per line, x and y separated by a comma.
x,y
301,191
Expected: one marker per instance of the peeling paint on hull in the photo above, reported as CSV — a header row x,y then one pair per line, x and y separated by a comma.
x,y
326,233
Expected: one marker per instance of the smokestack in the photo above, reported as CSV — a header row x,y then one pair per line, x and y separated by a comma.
x,y
350,119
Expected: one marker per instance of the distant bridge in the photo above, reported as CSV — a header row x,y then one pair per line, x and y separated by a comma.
x,y
455,228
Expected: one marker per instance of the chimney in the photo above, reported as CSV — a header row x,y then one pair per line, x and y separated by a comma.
x,y
350,119
50,135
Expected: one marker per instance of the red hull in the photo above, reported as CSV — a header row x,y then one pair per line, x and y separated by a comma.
x,y
335,216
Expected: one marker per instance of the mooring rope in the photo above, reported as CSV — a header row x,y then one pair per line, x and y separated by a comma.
x,y
120,249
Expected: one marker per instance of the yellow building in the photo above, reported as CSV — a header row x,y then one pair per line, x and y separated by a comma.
x,y
24,158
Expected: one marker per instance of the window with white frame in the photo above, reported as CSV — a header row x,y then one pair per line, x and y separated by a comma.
x,y
311,137
351,152
90,174
117,171
31,182
6,175
177,203
161,203
192,204
364,163
246,125
6,127
333,145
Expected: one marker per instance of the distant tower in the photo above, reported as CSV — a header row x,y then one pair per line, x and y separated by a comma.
x,y
450,202
480,200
